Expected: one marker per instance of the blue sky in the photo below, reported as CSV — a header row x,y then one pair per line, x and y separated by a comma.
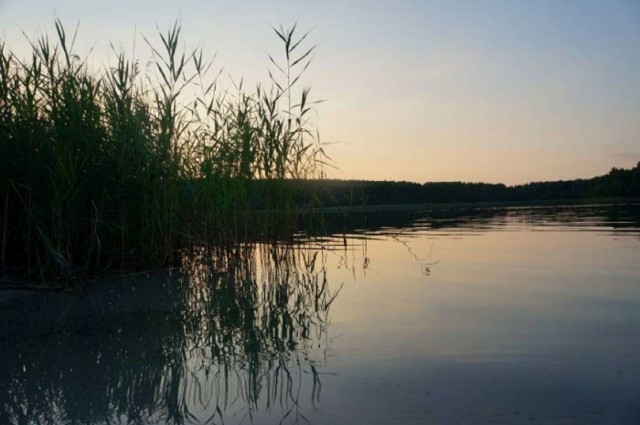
x,y
498,91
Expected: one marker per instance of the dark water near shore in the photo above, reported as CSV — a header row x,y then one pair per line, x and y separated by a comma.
x,y
511,316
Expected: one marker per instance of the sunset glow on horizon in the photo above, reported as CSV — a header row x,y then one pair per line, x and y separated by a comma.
x,y
490,91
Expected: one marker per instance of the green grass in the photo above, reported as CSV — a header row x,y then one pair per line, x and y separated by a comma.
x,y
121,169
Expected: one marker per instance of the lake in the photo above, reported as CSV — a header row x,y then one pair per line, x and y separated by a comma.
x,y
492,316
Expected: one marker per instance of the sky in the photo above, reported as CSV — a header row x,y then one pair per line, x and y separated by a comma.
x,y
492,91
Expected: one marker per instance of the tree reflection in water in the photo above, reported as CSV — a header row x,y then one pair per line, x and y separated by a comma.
x,y
234,335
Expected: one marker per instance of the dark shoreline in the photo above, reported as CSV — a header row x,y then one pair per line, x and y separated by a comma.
x,y
10,284
472,205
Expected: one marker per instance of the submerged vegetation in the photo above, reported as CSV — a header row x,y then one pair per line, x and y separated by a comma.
x,y
124,167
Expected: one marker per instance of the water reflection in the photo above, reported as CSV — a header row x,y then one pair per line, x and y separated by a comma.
x,y
461,316
331,228
238,333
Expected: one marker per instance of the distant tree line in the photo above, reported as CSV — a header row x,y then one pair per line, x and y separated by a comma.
x,y
618,183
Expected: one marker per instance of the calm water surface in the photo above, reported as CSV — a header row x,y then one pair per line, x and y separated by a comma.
x,y
512,316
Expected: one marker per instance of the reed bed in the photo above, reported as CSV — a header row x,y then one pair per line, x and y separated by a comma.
x,y
124,167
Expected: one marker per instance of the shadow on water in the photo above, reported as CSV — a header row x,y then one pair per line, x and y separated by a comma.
x,y
374,224
235,334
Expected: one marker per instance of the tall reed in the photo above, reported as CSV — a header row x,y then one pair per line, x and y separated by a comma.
x,y
122,168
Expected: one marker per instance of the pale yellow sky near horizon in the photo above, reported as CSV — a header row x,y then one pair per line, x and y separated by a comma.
x,y
490,91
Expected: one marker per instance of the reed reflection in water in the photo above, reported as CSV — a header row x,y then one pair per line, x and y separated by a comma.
x,y
236,335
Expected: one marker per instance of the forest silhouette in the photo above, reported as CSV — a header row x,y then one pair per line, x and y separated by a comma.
x,y
617,184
